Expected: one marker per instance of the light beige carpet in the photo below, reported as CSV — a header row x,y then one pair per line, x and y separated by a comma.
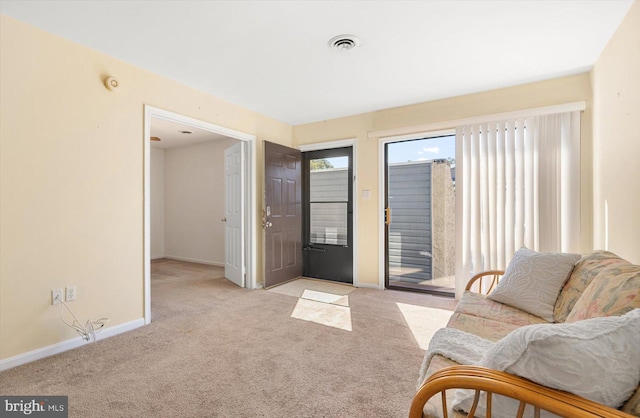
x,y
216,350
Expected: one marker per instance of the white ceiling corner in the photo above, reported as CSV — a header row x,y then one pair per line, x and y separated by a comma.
x,y
171,135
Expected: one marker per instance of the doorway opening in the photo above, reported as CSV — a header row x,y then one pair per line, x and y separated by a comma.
x,y
419,217
189,153
290,251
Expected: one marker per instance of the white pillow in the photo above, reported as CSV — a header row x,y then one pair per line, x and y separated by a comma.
x,y
533,280
598,359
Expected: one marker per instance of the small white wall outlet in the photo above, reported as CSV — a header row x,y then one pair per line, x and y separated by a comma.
x,y
56,296
71,293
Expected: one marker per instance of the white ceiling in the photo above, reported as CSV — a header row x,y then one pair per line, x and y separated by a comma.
x,y
171,136
272,56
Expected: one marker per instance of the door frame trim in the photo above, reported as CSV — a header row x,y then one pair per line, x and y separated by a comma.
x,y
251,222
342,143
382,190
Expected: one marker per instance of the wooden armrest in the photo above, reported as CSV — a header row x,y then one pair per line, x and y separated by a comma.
x,y
479,278
506,384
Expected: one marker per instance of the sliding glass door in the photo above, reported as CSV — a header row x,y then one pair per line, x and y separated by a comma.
x,y
420,215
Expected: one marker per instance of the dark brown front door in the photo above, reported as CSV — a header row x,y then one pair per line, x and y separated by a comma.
x,y
282,213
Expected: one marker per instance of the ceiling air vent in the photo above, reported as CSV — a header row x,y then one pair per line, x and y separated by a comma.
x,y
344,42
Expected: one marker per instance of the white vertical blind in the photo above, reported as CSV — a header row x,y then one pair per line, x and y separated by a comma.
x,y
500,193
510,199
519,186
518,182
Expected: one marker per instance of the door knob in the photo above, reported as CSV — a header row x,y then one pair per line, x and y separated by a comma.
x,y
224,219
267,224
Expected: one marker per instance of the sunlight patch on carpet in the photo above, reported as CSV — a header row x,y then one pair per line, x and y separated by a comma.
x,y
324,308
342,300
424,322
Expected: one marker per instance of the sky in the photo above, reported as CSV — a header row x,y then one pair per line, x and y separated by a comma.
x,y
422,149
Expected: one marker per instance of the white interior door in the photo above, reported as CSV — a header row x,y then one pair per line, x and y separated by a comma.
x,y
234,161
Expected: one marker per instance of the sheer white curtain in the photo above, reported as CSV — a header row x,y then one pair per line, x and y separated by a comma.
x,y
517,184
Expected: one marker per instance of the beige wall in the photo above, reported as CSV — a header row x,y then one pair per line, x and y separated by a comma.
x,y
71,180
616,141
545,93
194,202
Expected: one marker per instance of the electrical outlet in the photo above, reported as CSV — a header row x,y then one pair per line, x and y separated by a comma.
x,y
56,296
71,293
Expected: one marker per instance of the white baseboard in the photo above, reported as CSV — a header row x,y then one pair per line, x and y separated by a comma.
x,y
157,257
72,343
194,260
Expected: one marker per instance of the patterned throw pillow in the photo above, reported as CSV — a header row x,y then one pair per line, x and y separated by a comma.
x,y
533,281
613,292
583,273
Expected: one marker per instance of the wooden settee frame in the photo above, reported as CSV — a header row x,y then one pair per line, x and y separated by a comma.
x,y
494,382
